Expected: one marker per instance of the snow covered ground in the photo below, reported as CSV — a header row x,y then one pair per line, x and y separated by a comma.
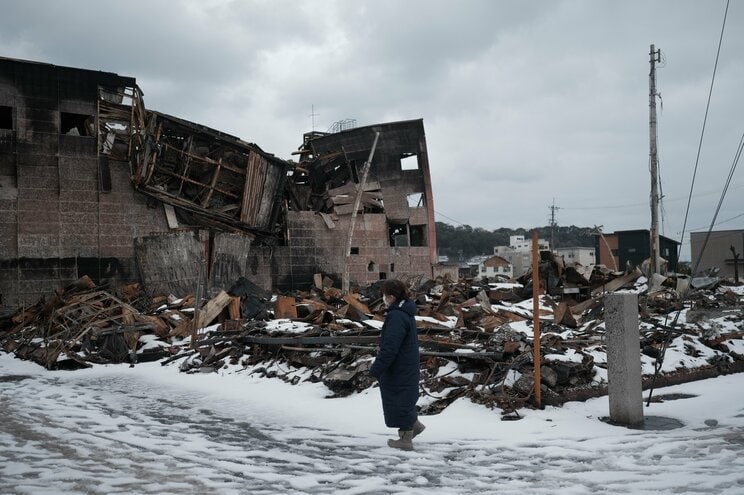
x,y
152,430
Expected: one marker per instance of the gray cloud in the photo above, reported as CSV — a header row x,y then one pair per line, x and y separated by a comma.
x,y
523,102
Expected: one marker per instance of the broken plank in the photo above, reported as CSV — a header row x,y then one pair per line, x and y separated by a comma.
x,y
170,216
353,300
618,283
285,307
266,340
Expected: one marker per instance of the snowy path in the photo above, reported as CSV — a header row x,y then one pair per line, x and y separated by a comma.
x,y
119,432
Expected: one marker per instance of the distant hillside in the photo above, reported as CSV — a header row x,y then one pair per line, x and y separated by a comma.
x,y
463,242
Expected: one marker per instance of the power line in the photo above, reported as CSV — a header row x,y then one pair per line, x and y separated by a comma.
x,y
721,222
720,201
448,218
705,119
629,205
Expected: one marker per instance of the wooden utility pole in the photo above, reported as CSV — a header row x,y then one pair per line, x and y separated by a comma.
x,y
536,315
655,56
352,222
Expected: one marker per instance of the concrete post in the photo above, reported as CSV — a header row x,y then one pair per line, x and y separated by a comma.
x,y
624,359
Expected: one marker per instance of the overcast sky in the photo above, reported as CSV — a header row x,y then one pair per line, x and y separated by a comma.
x,y
523,102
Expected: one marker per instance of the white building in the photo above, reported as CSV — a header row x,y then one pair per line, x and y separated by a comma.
x,y
519,253
495,266
519,243
582,255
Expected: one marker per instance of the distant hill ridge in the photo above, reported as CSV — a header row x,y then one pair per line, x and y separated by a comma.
x,y
463,242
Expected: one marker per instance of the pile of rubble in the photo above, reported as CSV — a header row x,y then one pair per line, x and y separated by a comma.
x,y
476,339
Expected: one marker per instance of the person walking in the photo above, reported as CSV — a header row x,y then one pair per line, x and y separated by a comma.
x,y
397,365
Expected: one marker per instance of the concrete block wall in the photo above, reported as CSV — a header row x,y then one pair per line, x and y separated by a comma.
x,y
313,247
56,224
126,214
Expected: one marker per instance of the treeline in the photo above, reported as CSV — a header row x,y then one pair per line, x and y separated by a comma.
x,y
463,242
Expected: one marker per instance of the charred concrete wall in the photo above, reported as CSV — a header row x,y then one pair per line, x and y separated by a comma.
x,y
315,247
56,222
400,165
395,232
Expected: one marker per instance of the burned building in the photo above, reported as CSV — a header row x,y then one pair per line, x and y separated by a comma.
x,y
93,183
396,235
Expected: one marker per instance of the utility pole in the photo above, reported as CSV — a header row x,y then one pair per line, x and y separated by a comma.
x,y
553,224
655,56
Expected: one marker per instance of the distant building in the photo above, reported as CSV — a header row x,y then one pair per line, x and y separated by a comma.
x,y
582,255
624,248
519,253
519,243
717,253
447,269
495,266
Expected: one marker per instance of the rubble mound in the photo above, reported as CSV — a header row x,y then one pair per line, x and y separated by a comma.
x,y
476,339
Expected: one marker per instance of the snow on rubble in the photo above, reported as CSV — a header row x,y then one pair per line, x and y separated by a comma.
x,y
476,340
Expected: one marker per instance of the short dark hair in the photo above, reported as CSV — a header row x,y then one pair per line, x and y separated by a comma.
x,y
395,288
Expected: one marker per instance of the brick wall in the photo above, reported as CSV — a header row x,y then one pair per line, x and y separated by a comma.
x,y
313,247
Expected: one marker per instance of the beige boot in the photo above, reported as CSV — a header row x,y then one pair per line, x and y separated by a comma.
x,y
405,442
418,427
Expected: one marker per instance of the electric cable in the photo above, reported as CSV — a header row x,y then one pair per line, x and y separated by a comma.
x,y
448,218
720,202
669,331
702,132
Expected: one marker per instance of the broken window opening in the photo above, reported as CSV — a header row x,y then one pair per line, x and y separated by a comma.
x,y
354,250
392,267
409,162
372,267
398,234
383,275
6,117
418,235
416,200
76,124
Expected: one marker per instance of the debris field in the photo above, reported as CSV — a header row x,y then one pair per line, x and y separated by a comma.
x,y
476,338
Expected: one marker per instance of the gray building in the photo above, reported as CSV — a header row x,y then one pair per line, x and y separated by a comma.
x,y
717,252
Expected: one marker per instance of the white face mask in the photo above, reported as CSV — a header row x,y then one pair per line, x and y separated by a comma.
x,y
388,300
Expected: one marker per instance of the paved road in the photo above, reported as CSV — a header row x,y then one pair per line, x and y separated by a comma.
x,y
118,434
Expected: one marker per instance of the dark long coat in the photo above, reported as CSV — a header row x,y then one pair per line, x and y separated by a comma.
x,y
397,366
